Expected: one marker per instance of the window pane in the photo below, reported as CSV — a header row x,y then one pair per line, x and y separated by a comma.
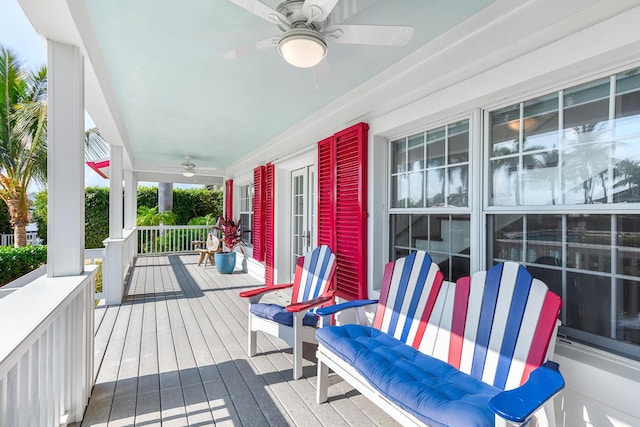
x,y
399,156
400,230
435,187
420,232
416,152
586,173
416,190
458,186
507,239
586,110
459,142
628,245
435,148
504,128
589,242
588,302
541,178
541,123
627,145
399,191
544,239
628,318
505,189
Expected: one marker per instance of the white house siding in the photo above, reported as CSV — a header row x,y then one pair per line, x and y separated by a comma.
x,y
532,49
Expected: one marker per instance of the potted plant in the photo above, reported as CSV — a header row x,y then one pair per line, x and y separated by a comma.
x,y
231,238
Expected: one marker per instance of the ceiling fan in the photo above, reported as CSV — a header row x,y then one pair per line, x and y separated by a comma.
x,y
307,28
189,167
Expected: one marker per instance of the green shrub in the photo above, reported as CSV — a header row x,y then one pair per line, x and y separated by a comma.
x,y
96,216
187,204
40,215
16,262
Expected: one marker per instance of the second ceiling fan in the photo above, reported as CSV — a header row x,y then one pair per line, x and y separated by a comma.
x,y
307,28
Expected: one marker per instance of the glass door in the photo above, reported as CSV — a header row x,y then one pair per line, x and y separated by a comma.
x,y
302,214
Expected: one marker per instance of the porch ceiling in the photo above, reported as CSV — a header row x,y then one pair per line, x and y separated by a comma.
x,y
168,92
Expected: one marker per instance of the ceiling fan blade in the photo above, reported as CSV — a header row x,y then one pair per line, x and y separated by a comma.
x,y
318,10
346,8
379,35
251,48
260,9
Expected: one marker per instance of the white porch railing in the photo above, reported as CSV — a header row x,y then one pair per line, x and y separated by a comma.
x,y
32,239
46,351
170,238
119,253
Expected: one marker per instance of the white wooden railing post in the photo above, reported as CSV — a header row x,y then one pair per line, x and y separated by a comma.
x,y
112,271
114,263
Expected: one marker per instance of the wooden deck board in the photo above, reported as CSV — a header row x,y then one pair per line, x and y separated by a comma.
x,y
174,354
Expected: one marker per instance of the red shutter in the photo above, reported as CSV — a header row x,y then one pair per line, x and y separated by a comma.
x,y
326,187
257,228
269,223
342,206
351,211
228,198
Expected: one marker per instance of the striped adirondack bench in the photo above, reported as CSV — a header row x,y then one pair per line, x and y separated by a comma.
x,y
295,324
470,353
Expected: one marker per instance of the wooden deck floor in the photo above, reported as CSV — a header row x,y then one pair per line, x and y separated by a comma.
x,y
174,354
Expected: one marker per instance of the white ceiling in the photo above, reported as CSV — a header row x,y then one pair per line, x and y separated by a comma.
x,y
170,92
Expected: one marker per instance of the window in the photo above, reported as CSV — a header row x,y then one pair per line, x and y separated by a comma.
x,y
246,212
430,197
570,163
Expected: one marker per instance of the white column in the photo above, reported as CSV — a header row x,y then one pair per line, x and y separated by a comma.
x,y
65,160
113,267
115,192
130,200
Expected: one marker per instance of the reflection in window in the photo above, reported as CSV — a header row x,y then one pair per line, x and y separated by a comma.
x,y
447,239
579,146
246,212
430,169
572,254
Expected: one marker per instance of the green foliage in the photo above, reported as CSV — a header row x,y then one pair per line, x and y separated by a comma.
x,y
5,224
148,196
150,217
96,216
209,219
99,277
187,203
40,215
16,262
190,203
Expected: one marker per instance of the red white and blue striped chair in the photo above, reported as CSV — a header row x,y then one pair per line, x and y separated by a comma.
x,y
443,354
295,324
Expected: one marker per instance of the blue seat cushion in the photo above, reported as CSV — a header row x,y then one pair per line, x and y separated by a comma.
x,y
433,391
279,314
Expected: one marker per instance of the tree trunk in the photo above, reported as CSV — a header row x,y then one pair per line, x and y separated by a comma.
x,y
18,222
165,196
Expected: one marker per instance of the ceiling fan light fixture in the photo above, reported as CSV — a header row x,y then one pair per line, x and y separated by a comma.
x,y
189,167
302,48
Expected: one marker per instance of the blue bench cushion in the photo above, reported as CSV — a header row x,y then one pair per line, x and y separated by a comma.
x,y
279,314
433,391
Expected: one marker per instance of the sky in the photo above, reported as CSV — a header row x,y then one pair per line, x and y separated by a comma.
x,y
17,34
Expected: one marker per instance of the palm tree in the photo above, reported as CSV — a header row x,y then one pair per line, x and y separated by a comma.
x,y
150,217
23,137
